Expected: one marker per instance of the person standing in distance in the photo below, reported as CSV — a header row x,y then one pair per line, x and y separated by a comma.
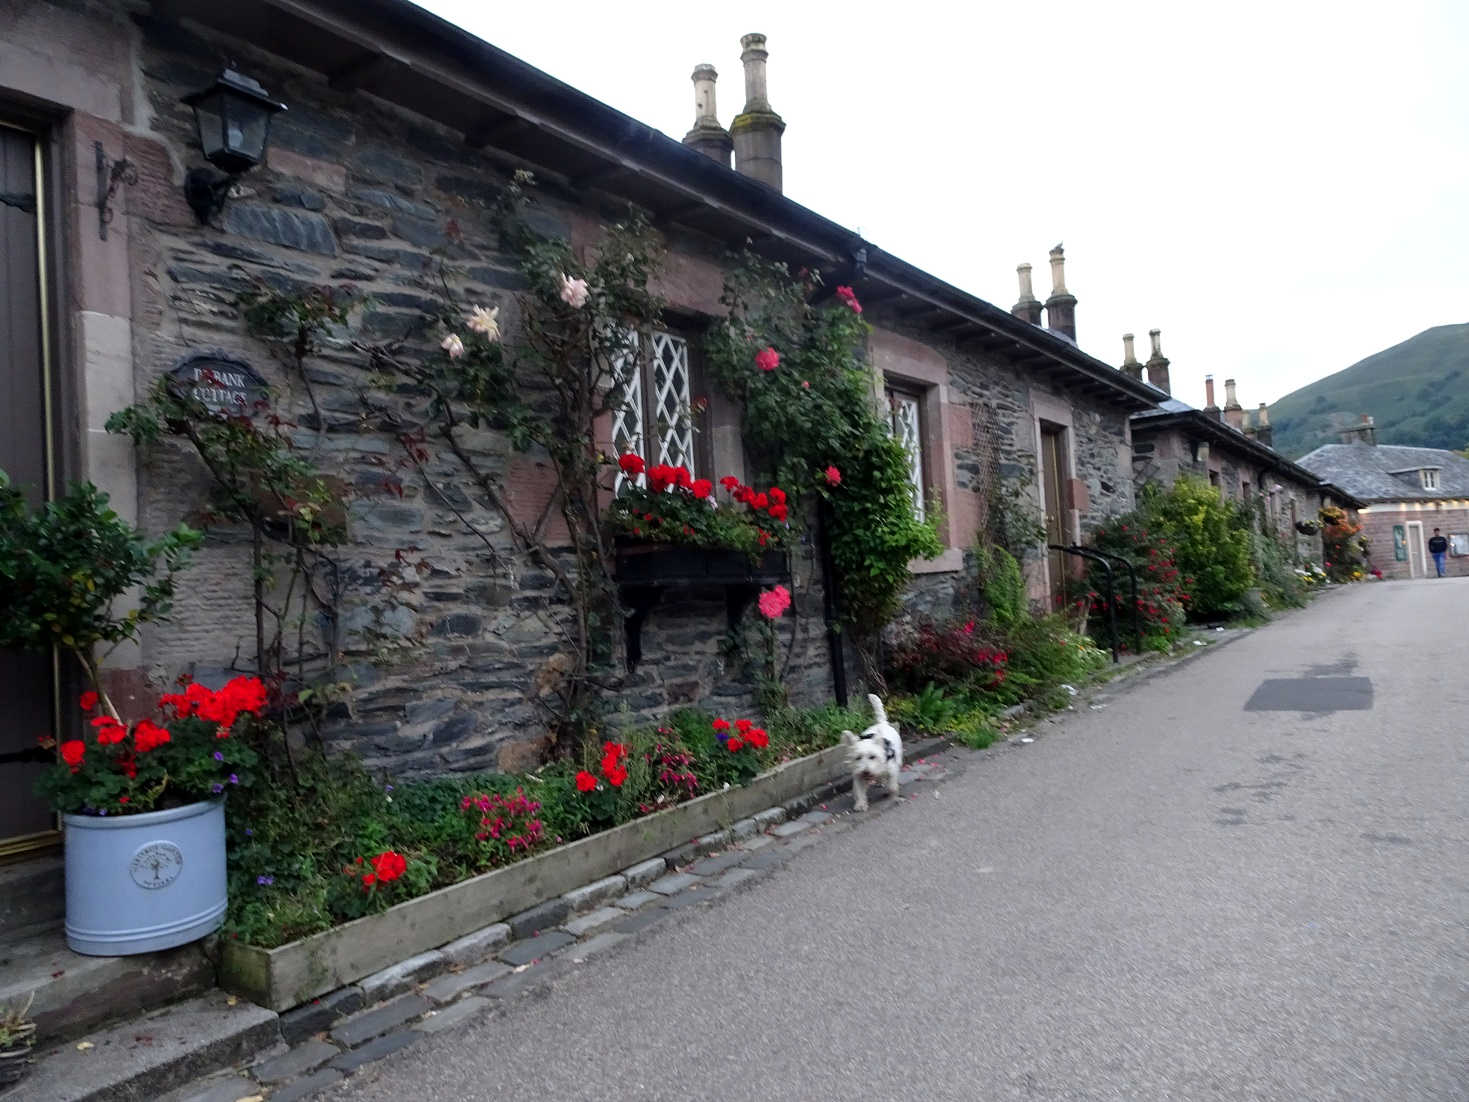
x,y
1438,547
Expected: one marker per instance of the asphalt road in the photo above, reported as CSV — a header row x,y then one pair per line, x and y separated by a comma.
x,y
1167,897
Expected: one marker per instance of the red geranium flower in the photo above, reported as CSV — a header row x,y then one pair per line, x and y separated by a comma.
x,y
631,464
149,736
734,744
72,752
777,495
779,512
729,482
88,701
767,359
743,726
833,476
760,501
720,725
109,731
616,776
389,865
757,738
585,782
702,488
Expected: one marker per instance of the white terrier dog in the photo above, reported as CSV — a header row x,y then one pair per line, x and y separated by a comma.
x,y
875,755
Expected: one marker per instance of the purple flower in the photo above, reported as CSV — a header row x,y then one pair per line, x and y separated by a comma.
x,y
234,778
387,788
216,788
249,833
265,881
218,756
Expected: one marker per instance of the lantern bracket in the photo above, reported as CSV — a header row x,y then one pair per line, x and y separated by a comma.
x,y
111,175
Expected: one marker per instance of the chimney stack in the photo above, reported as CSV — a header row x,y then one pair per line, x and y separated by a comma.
x,y
757,129
1263,432
1158,363
1234,413
1029,307
1209,407
707,136
1363,433
1061,305
1130,366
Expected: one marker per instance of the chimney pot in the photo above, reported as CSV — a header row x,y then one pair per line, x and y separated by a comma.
x,y
1262,416
1209,393
1028,308
1130,366
1061,305
1233,412
1158,363
1263,432
707,136
757,129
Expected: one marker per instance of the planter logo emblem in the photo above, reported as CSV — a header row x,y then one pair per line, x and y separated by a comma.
x,y
156,865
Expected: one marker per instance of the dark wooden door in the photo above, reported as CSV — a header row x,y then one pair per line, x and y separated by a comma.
x,y
1053,471
27,681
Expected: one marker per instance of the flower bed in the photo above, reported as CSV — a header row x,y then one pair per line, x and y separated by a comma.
x,y
294,973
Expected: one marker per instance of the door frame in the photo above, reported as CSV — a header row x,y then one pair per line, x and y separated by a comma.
x,y
1415,541
47,128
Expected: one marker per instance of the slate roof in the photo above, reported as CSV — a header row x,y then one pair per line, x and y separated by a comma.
x,y
1366,471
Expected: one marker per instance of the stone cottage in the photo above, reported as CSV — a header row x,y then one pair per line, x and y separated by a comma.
x,y
127,255
1406,493
1230,447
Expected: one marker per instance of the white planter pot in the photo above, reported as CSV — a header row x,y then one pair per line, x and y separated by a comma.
x,y
141,883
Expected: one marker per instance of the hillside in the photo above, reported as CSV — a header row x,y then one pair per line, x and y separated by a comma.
x,y
1417,391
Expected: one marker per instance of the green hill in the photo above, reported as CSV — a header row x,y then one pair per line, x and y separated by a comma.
x,y
1417,392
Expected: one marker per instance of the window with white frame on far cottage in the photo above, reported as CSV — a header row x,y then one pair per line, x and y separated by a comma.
x,y
654,417
1429,477
905,419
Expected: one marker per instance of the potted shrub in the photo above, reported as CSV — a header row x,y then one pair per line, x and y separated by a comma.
x,y
17,1034
143,810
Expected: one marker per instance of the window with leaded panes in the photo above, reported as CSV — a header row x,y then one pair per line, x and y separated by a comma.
x,y
905,412
654,416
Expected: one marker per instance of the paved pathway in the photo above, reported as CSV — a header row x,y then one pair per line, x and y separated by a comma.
x,y
1167,897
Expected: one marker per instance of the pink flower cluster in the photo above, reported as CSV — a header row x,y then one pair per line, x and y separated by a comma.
x,y
774,602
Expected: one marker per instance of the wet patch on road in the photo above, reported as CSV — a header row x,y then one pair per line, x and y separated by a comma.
x,y
1389,839
1317,695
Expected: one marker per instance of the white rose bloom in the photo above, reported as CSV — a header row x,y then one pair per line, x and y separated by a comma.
x,y
573,292
452,345
485,322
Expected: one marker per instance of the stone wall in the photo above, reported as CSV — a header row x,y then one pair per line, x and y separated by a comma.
x,y
449,635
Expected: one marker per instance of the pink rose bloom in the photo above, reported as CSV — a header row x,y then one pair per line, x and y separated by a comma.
x,y
767,359
773,602
573,292
848,297
833,476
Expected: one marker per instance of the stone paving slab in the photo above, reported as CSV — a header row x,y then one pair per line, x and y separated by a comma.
x,y
711,866
476,946
599,944
293,1062
375,1049
320,1014
542,917
224,1088
451,1016
587,923
700,894
771,816
633,900
795,826
644,872
734,877
636,923
526,978
305,1088
542,945
673,882
816,818
446,989
367,1024
767,859
588,896
402,976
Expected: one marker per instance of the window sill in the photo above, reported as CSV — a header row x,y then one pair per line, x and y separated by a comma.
x,y
950,561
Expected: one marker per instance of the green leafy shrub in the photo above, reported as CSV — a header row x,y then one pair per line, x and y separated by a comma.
x,y
1211,537
1001,584
928,712
955,654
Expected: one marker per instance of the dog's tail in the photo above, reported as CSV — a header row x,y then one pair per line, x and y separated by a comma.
x,y
877,708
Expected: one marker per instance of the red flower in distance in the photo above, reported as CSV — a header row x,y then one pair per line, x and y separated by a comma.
x,y
757,738
767,359
88,701
631,464
774,602
833,476
585,782
760,501
72,752
720,725
849,299
734,744
702,488
777,495
616,776
729,482
779,513
743,726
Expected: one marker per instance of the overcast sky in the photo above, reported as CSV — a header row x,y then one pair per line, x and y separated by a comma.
x,y
1282,187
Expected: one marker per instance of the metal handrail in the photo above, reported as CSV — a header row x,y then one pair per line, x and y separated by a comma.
x,y
1137,623
1095,556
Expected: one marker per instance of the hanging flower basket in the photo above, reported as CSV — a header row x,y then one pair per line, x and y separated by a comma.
x,y
1308,527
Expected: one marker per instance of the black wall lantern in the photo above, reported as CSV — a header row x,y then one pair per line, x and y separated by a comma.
x,y
233,116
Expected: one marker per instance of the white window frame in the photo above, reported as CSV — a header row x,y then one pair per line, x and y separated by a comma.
x,y
905,422
1429,478
659,385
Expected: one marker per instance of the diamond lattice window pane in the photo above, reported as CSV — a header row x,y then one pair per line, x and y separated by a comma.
x,y
906,429
671,401
627,413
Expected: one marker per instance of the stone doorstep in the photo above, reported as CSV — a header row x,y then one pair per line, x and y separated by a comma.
x,y
143,1059
75,994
